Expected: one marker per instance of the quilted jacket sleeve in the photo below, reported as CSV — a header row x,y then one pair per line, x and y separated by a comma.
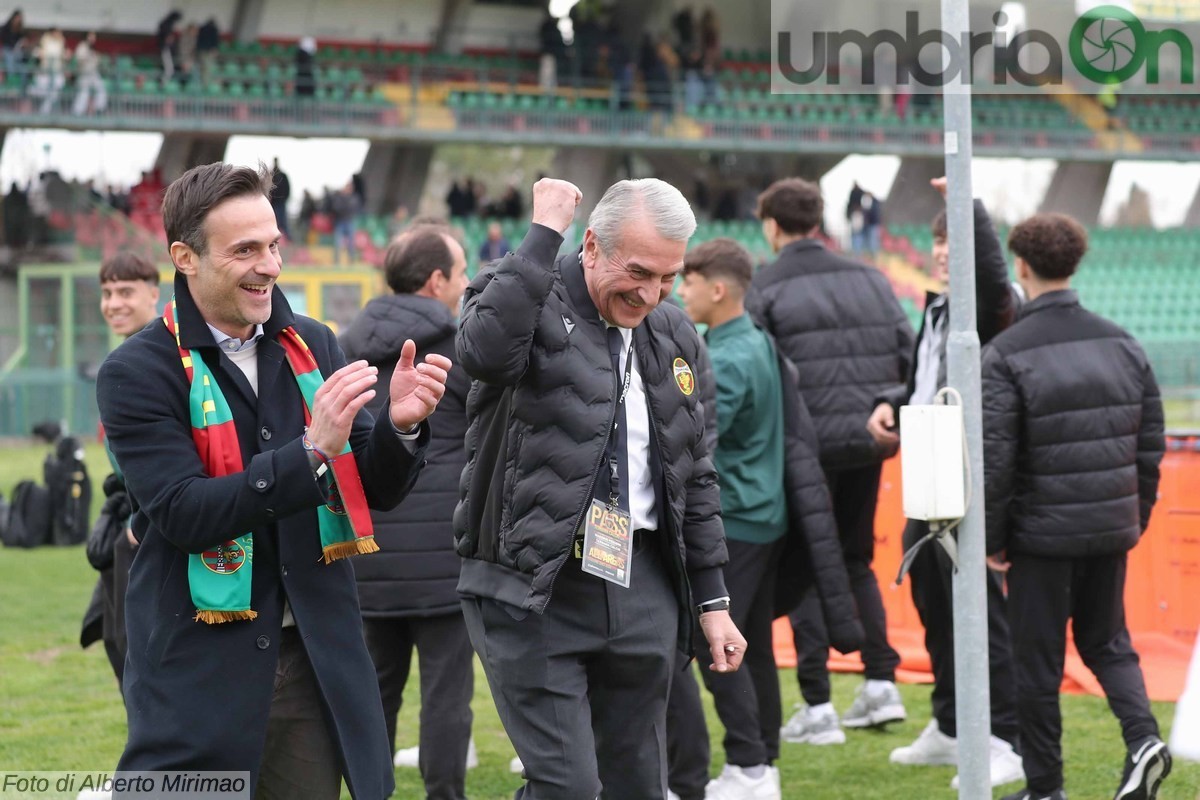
x,y
501,308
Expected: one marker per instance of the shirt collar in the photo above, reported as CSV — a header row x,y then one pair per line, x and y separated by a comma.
x,y
738,326
233,345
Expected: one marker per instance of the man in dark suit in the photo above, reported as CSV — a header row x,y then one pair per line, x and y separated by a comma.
x,y
283,687
408,592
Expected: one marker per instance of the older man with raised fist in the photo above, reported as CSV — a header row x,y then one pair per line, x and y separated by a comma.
x,y
590,517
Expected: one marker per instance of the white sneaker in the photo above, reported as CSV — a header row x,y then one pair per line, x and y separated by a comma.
x,y
1005,765
809,727
515,766
877,703
410,756
931,749
734,784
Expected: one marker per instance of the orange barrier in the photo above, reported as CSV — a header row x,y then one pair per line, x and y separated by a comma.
x,y
1164,572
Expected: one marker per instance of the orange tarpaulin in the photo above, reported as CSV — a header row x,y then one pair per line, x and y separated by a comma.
x,y
1162,590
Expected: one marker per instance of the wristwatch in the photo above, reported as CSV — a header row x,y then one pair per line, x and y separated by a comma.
x,y
718,604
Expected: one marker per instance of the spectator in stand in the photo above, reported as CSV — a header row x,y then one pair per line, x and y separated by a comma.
x,y
872,223
854,217
89,86
281,192
188,40
345,206
587,40
456,199
684,25
208,41
306,54
552,50
11,34
692,62
51,54
495,246
658,60
168,43
308,208
510,205
16,217
710,53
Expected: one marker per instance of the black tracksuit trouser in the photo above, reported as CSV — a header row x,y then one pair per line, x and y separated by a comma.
x,y
932,581
855,494
1043,593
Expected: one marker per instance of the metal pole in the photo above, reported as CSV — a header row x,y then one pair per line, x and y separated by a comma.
x,y
972,698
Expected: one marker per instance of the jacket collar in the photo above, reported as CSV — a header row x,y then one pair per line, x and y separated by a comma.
x,y
1055,299
193,329
801,245
731,329
570,267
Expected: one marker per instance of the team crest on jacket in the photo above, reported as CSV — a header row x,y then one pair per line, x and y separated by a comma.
x,y
684,378
226,559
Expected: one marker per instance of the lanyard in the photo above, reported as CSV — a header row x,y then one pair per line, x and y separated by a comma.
x,y
614,466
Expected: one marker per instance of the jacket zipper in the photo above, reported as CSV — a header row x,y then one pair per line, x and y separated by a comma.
x,y
612,415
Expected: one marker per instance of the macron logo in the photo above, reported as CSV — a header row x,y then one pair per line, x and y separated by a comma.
x,y
570,326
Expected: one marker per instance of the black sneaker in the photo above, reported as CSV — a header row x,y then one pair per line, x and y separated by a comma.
x,y
1025,794
1145,769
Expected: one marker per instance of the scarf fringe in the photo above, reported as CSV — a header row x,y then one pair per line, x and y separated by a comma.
x,y
360,546
217,617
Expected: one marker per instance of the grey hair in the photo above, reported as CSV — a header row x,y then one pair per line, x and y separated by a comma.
x,y
665,205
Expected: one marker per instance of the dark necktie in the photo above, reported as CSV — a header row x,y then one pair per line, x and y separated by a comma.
x,y
617,450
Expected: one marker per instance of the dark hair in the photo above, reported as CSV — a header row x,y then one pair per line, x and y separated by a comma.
x,y
128,266
794,203
198,191
1051,244
413,257
720,259
938,227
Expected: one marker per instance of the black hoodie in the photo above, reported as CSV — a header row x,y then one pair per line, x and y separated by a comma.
x,y
416,571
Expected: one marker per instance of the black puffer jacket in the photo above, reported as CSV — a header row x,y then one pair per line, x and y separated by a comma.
x,y
1073,433
416,571
539,412
841,324
813,553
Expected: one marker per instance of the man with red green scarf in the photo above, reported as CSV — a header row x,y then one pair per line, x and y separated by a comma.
x,y
252,466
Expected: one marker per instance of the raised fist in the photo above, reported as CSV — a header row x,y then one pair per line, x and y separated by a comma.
x,y
554,203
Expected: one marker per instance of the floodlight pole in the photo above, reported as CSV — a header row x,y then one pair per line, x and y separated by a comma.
x,y
972,697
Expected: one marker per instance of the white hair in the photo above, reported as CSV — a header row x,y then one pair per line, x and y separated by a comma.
x,y
665,205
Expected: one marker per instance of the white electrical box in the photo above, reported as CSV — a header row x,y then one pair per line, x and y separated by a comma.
x,y
931,460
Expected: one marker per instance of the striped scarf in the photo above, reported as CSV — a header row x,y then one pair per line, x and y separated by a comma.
x,y
220,578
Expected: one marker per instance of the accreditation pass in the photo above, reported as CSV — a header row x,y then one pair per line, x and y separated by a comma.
x,y
607,543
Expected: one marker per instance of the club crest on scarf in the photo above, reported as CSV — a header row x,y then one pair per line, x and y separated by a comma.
x,y
344,522
226,559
